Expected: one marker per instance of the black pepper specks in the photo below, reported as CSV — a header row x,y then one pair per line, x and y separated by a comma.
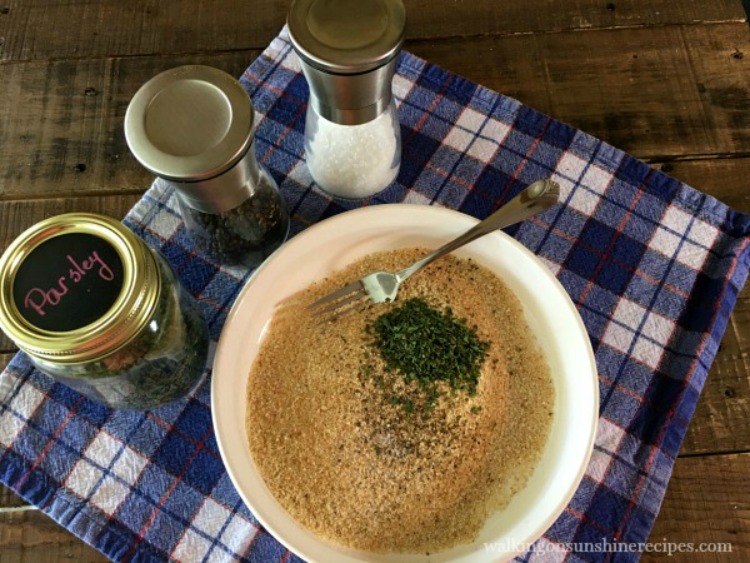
x,y
737,55
80,167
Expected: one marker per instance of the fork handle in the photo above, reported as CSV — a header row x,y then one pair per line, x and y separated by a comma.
x,y
538,197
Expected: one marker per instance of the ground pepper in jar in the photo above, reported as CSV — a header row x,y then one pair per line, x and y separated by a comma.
x,y
246,234
99,311
192,126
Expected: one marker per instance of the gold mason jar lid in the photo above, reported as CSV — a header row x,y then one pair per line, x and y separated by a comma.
x,y
77,287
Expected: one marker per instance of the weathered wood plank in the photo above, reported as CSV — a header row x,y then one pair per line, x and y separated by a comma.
x,y
719,71
641,91
724,178
650,98
19,215
428,19
707,501
720,422
32,537
34,30
5,357
61,123
8,499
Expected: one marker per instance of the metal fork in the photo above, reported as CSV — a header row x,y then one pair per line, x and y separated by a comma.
x,y
382,287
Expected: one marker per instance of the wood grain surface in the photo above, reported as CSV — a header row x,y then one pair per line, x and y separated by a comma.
x,y
666,81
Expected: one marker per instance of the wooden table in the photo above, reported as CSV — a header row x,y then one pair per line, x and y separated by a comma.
x,y
664,80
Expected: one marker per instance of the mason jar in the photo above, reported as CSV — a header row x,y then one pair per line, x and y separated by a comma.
x,y
98,310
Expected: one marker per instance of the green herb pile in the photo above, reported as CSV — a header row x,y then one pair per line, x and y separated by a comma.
x,y
429,347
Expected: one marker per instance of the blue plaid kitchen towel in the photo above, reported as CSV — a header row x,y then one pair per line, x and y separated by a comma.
x,y
653,265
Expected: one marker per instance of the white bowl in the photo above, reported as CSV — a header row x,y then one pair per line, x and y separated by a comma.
x,y
333,244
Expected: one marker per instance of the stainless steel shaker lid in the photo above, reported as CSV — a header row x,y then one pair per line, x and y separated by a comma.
x,y
189,123
347,36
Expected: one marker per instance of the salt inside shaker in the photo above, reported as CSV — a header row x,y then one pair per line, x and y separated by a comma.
x,y
192,126
348,51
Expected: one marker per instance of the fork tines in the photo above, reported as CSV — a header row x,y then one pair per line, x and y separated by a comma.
x,y
338,303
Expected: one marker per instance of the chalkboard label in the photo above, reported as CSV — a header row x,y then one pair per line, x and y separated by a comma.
x,y
68,282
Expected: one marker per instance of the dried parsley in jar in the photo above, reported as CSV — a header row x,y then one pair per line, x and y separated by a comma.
x,y
99,311
192,126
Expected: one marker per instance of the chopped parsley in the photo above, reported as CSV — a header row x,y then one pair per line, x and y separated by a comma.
x,y
430,347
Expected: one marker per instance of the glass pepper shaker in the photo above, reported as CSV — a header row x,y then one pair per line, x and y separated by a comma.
x,y
348,51
96,309
192,126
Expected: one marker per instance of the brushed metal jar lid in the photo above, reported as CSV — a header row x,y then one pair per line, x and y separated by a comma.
x,y
347,36
189,123
77,287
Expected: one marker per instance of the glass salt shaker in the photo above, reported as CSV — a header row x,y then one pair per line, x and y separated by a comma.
x,y
348,52
192,126
98,310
